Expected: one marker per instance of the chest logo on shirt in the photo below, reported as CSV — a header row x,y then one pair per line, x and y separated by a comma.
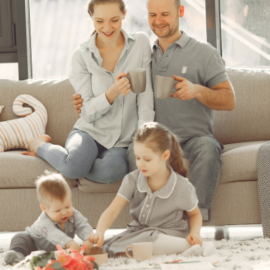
x,y
184,70
44,231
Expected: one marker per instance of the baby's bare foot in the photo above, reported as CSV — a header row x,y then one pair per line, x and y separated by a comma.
x,y
33,145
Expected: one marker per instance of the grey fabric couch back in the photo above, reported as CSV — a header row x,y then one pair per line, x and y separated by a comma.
x,y
249,121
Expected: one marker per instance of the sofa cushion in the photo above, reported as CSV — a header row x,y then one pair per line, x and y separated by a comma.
x,y
18,171
92,187
249,121
239,162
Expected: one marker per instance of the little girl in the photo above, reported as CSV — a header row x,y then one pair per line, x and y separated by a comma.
x,y
159,193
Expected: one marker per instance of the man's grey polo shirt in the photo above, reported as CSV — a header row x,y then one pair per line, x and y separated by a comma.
x,y
199,63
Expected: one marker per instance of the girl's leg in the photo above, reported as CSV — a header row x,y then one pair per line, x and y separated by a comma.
x,y
110,166
167,244
21,246
76,159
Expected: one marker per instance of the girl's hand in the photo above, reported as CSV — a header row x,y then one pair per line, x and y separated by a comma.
x,y
122,85
97,238
194,238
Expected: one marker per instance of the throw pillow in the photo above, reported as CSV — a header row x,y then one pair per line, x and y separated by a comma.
x,y
18,132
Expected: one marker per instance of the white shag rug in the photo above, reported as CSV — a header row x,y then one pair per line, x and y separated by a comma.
x,y
230,254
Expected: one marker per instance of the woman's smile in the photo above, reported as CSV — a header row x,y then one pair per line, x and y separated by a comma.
x,y
108,34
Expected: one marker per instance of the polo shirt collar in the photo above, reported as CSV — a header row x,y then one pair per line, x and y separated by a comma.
x,y
90,44
162,193
182,41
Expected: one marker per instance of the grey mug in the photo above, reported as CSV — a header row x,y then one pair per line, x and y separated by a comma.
x,y
164,86
137,79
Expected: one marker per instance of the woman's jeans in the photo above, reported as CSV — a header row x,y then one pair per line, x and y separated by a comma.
x,y
84,157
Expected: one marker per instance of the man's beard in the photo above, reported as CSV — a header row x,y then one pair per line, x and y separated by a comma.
x,y
170,32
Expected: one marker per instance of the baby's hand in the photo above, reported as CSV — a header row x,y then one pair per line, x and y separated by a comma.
x,y
97,238
72,245
88,245
194,238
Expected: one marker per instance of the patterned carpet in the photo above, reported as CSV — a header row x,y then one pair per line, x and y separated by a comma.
x,y
230,254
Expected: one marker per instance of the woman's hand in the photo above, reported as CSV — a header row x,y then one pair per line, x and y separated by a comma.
x,y
194,238
97,238
122,85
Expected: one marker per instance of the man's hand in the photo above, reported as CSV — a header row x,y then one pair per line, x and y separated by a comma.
x,y
73,245
77,102
88,245
194,238
185,90
97,238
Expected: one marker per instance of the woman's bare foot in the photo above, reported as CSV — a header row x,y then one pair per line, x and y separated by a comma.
x,y
33,145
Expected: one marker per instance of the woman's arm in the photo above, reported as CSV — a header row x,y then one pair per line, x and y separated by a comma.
x,y
195,224
145,100
107,218
94,107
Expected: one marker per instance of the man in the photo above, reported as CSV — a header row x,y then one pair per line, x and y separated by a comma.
x,y
203,86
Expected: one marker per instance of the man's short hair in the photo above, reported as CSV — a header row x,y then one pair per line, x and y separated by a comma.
x,y
177,2
52,186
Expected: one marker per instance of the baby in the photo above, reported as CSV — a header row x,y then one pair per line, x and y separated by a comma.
x,y
58,223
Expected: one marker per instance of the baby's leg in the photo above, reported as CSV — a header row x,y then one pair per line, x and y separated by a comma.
x,y
167,244
21,246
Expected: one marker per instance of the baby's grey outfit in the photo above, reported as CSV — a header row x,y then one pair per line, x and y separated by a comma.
x,y
153,213
45,234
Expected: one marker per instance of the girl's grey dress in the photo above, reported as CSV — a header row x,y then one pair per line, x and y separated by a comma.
x,y
153,213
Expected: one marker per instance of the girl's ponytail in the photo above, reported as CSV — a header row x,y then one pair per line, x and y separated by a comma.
x,y
159,139
176,159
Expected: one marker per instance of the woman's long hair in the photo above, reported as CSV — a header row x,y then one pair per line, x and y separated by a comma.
x,y
92,3
159,139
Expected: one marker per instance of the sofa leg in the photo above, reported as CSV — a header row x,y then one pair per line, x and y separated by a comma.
x,y
221,233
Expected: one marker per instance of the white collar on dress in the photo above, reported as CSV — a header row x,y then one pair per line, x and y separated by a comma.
x,y
163,193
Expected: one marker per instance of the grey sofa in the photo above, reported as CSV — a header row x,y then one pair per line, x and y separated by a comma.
x,y
242,131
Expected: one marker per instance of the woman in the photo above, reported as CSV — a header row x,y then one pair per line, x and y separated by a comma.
x,y
111,113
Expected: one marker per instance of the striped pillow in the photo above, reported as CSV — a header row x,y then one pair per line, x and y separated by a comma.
x,y
18,132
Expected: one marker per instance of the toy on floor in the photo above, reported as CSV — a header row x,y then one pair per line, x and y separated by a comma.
x,y
18,132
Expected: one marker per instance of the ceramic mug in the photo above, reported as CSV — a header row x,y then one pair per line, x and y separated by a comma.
x,y
141,251
164,86
137,79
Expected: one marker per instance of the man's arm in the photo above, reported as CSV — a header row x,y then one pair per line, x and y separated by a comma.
x,y
218,97
77,102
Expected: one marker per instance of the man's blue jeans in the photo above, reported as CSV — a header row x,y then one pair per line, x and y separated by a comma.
x,y
204,153
82,156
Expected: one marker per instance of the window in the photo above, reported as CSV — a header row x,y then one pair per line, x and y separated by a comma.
x,y
193,21
59,26
245,33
